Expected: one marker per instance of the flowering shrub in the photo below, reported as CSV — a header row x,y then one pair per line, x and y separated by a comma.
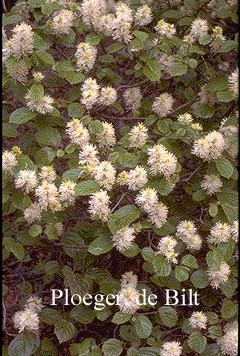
x,y
119,175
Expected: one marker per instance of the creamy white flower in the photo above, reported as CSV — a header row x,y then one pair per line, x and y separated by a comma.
x,y
136,178
166,248
197,127
185,119
193,242
217,38
219,276
42,106
162,105
138,135
210,147
47,194
106,138
106,24
21,42
48,174
132,98
161,162
26,319
88,157
19,71
172,348
86,56
99,205
35,304
9,161
105,174
92,12
122,23
220,232
129,279
233,83
186,228
78,133
229,341
211,184
63,21
147,199
90,93
32,214
67,193
128,299
123,238
108,96
158,215
143,15
199,27
165,29
235,230
198,320
26,180
38,77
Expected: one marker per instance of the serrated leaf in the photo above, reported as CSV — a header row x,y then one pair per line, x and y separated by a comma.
x,y
121,318
229,310
23,344
48,136
199,279
100,245
21,116
123,217
76,110
112,347
214,259
15,247
64,330
197,342
143,326
178,69
224,167
45,57
190,261
181,273
168,316
161,267
35,230
86,187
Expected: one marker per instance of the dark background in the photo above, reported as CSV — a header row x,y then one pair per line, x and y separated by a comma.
x,y
9,4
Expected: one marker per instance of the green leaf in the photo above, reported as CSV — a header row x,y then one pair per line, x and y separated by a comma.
x,y
76,110
44,156
45,57
121,318
161,267
100,245
64,330
178,69
21,116
155,67
35,230
115,47
142,36
48,136
181,273
225,96
150,74
128,160
203,111
215,332
199,279
228,46
123,217
36,92
148,351
213,210
214,259
74,77
23,344
229,310
224,167
71,174
86,187
168,316
197,342
15,247
190,261
143,326
93,39
95,127
112,347
82,314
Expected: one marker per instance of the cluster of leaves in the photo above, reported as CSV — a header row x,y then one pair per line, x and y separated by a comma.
x,y
84,259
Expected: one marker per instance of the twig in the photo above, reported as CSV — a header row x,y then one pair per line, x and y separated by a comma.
x,y
4,6
118,202
5,319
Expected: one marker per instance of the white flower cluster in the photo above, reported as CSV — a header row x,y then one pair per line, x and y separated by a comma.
x,y
172,348
92,11
162,105
78,133
92,95
147,201
9,161
138,135
166,248
233,83
28,318
165,29
21,42
217,38
187,232
185,119
229,341
86,56
42,106
198,320
88,158
105,174
210,147
67,193
123,238
128,295
106,138
122,23
135,179
99,205
211,184
132,98
220,232
161,162
62,22
219,276
199,27
26,180
143,15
